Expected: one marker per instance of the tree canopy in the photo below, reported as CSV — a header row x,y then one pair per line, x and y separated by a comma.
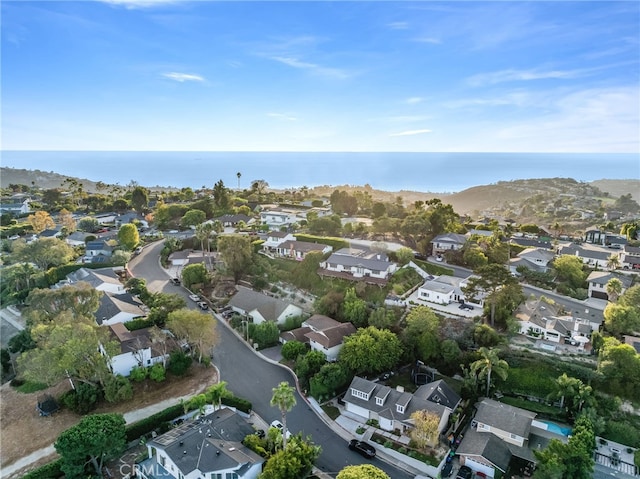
x,y
195,327
237,252
284,399
362,471
96,439
128,236
371,350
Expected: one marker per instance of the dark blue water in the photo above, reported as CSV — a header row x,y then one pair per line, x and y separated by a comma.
x,y
426,172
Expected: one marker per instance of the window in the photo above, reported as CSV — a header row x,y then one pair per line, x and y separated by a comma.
x,y
162,460
231,475
400,408
379,401
359,394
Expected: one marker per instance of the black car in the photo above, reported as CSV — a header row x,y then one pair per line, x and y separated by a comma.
x,y
446,470
466,306
175,280
465,472
364,448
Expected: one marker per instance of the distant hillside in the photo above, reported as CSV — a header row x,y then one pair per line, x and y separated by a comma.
x,y
530,198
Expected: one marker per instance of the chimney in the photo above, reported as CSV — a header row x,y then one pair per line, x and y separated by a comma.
x,y
400,389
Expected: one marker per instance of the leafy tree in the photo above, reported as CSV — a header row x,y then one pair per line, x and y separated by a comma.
x,y
613,262
308,365
194,274
362,471
21,342
195,327
484,335
67,221
193,218
221,196
179,362
354,308
489,280
490,363
67,347
80,300
88,224
573,394
40,221
44,253
162,304
474,257
619,365
292,349
139,198
425,430
95,440
330,304
264,334
82,399
284,399
293,462
157,373
631,297
117,388
419,320
331,378
138,374
237,253
382,318
569,268
620,319
370,350
450,351
128,236
138,287
428,346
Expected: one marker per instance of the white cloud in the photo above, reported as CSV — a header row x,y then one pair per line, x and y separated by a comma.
x,y
183,77
414,99
282,116
432,40
411,133
325,71
398,25
135,4
510,75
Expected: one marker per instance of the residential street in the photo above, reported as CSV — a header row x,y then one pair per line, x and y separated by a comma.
x,y
250,376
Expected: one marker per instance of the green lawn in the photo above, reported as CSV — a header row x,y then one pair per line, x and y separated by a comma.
x,y
331,411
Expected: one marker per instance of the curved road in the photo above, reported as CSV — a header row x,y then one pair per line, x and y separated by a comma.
x,y
251,377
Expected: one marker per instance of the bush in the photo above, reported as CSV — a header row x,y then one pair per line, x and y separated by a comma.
x,y
118,388
138,374
265,334
292,349
82,399
48,471
137,429
239,403
157,373
136,324
336,243
179,363
623,433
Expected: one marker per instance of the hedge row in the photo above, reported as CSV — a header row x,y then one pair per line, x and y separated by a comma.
x,y
239,403
336,243
48,471
144,426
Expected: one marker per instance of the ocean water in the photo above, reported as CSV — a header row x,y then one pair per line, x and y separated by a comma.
x,y
424,172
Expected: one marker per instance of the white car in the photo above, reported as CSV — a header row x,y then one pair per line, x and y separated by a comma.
x,y
194,297
278,425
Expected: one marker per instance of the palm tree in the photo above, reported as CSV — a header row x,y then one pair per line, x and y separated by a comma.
x,y
284,399
613,262
488,364
217,392
238,174
614,289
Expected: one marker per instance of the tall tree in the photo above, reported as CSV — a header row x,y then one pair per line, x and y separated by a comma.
x,y
489,364
221,196
139,198
488,280
569,268
193,218
96,439
354,308
44,253
425,428
40,221
67,221
195,327
614,289
284,399
236,252
216,393
80,300
613,261
371,350
128,236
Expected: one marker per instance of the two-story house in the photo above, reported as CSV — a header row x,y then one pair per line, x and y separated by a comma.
x,y
358,265
322,333
500,433
445,289
598,280
298,250
631,257
210,447
594,257
262,307
535,259
135,349
392,408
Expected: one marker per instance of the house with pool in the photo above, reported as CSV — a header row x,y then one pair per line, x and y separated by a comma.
x,y
503,437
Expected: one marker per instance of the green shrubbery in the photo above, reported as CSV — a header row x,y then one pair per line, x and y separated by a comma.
x,y
48,471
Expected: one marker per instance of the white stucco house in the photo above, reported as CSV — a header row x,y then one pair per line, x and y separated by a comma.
x,y
358,265
262,307
135,349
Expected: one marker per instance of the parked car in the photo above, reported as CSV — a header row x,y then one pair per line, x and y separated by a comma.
x,y
260,433
194,297
465,472
364,448
175,281
280,427
466,306
202,305
446,470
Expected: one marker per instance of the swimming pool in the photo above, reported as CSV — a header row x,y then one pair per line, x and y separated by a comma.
x,y
552,427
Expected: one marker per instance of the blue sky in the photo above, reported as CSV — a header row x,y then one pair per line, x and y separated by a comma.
x,y
321,76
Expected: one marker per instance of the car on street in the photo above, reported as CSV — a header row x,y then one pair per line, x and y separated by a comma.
x,y
194,297
466,306
465,472
280,427
363,448
202,305
175,281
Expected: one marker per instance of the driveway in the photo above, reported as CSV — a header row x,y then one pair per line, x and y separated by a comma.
x,y
250,375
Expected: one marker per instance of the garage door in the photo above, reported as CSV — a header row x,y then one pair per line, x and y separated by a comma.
x,y
478,467
599,295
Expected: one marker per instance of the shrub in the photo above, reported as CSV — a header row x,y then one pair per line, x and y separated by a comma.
x,y
82,399
137,429
48,471
157,373
179,363
623,433
239,403
118,388
292,349
136,324
138,374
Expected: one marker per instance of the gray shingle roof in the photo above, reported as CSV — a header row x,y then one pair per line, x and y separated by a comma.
x,y
113,304
505,417
439,392
486,445
349,261
248,300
